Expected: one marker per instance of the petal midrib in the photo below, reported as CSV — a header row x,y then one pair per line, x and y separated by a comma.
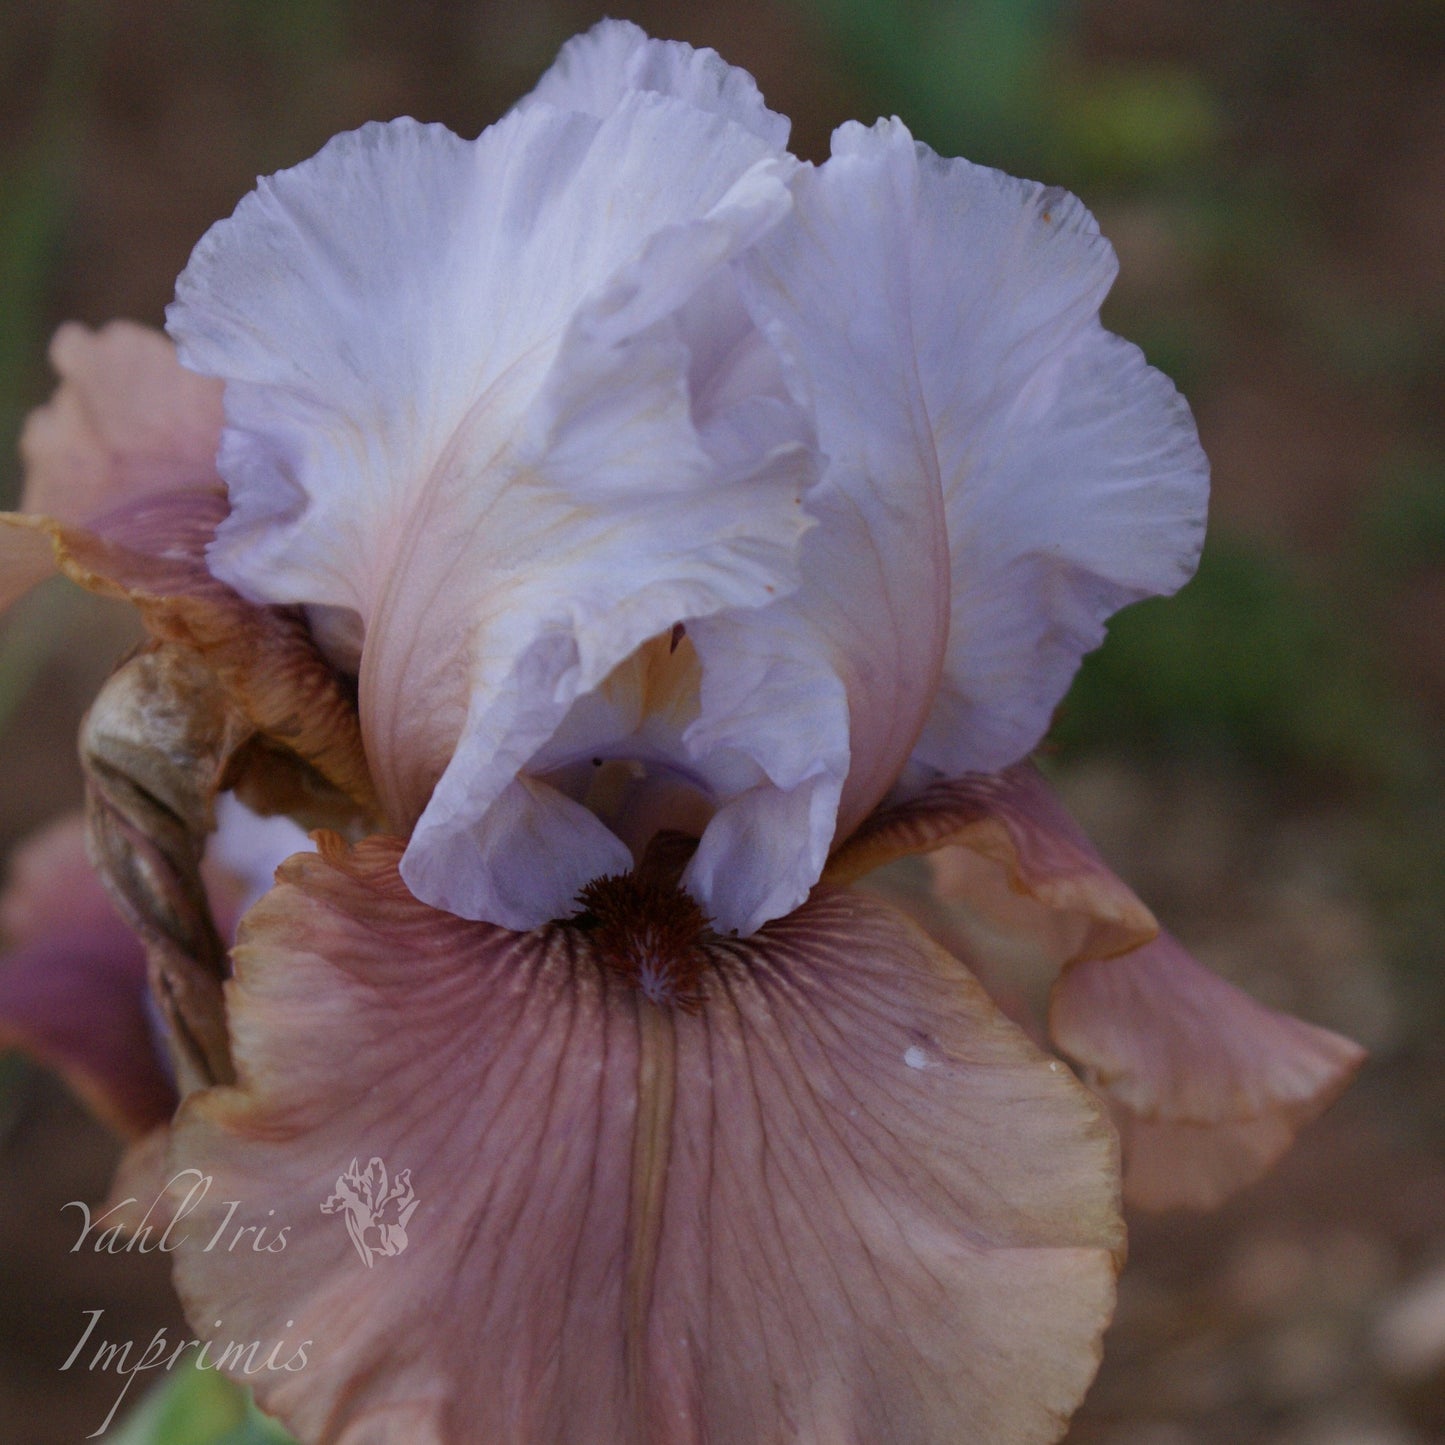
x,y
651,1155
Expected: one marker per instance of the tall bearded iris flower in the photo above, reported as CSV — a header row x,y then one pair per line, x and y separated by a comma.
x,y
625,536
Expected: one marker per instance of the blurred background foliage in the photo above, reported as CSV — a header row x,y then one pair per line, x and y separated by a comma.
x,y
1273,176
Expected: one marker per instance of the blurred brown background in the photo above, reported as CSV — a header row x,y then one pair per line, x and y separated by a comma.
x,y
1260,757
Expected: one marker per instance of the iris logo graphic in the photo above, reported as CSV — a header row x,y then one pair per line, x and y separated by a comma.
x,y
376,1211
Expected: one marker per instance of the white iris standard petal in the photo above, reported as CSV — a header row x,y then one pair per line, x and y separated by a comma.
x,y
827,689
597,70
1073,480
513,417
1003,473
464,407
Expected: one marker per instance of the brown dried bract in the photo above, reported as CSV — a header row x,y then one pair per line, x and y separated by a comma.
x,y
157,745
264,656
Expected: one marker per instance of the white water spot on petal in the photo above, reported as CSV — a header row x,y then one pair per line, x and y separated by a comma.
x,y
915,1058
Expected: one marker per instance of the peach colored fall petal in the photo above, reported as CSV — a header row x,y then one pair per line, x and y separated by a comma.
x,y
127,421
73,983
842,1200
126,424
27,558
140,1179
1013,820
122,494
1009,943
1208,1086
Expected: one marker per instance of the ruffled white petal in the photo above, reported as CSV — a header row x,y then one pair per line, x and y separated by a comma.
x,y
528,856
762,852
826,691
465,406
364,305
1000,466
1072,476
501,412
594,71
1002,475
847,667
